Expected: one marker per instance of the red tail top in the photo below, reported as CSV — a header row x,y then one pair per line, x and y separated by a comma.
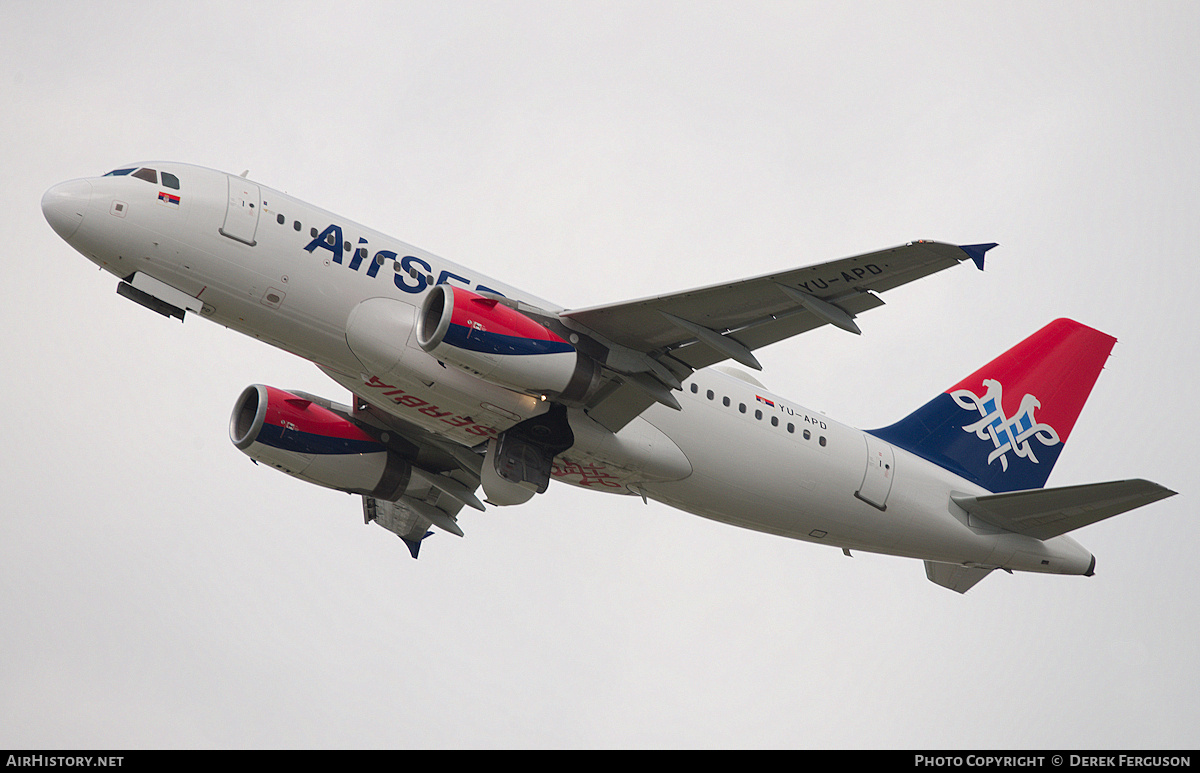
x,y
1058,365
1005,424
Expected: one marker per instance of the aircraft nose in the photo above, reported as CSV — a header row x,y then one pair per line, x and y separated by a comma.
x,y
64,206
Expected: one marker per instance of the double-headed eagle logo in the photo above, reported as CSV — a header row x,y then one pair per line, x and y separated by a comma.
x,y
1006,434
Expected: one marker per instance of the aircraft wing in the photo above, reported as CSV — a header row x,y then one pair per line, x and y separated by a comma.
x,y
409,520
654,343
444,475
1046,513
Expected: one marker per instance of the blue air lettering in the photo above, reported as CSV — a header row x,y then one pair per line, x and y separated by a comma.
x,y
414,276
359,254
330,239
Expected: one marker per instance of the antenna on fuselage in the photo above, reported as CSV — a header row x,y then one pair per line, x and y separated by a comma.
x,y
243,174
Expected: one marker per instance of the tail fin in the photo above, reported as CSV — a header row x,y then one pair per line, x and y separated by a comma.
x,y
984,428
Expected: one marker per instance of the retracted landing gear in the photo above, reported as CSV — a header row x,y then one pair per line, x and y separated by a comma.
x,y
519,461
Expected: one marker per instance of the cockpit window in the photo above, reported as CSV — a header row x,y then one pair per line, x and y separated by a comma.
x,y
170,181
146,174
118,173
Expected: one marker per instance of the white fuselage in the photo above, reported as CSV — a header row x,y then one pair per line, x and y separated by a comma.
x,y
735,453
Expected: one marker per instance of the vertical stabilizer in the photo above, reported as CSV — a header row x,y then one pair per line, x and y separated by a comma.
x,y
1004,426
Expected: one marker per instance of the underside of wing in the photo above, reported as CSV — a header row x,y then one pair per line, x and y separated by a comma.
x,y
651,345
442,476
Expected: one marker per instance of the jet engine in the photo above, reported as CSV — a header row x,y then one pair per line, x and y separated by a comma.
x,y
498,343
311,442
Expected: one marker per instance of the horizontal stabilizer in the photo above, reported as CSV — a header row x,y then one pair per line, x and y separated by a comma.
x,y
953,576
1046,513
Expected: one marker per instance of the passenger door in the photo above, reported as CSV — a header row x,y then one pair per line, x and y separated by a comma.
x,y
241,215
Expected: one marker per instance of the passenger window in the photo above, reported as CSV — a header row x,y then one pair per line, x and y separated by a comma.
x,y
280,219
710,394
695,389
170,181
149,175
296,225
725,400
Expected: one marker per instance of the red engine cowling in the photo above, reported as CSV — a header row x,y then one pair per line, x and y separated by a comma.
x,y
301,438
500,344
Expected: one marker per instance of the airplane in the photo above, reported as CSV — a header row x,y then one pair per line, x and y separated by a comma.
x,y
460,382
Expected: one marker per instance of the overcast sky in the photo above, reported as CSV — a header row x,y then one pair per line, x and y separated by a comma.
x,y
159,590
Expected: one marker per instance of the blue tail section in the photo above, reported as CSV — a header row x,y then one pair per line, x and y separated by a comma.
x,y
1004,426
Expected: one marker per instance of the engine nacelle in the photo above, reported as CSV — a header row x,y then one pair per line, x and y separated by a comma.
x,y
301,438
499,344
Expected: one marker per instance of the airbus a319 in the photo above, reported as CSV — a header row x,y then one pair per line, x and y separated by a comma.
x,y
461,383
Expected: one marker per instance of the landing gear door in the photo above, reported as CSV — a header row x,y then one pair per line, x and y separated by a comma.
x,y
241,215
500,489
877,478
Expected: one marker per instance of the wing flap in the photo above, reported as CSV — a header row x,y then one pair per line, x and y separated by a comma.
x,y
774,328
619,406
1046,513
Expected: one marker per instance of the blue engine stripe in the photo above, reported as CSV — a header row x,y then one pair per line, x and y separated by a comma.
x,y
310,443
462,337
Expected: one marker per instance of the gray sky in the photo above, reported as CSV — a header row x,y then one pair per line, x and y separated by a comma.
x,y
159,590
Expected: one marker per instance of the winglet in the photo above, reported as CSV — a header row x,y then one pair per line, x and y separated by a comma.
x,y
976,251
414,545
